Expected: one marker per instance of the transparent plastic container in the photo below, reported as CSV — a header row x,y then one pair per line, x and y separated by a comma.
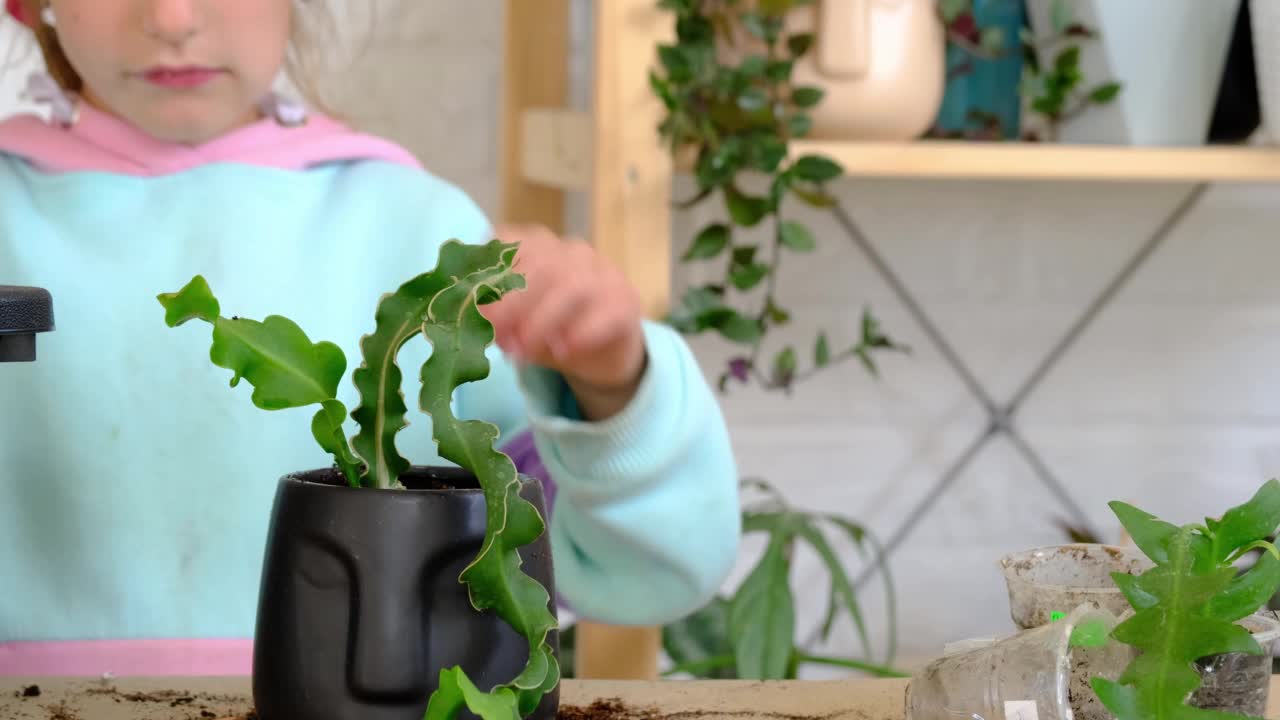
x,y
1046,582
1240,683
1033,675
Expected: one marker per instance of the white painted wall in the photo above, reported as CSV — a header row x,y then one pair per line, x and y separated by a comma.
x,y
1171,401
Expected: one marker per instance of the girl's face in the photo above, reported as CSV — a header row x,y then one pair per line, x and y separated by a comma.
x,y
181,70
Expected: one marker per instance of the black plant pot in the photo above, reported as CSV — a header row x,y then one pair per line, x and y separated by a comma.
x,y
360,606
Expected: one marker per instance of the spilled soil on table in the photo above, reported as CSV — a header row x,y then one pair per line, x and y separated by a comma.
x,y
615,709
166,705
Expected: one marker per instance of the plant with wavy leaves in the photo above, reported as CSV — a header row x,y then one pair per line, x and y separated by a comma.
x,y
288,370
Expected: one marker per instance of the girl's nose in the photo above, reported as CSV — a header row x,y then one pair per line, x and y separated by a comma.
x,y
172,21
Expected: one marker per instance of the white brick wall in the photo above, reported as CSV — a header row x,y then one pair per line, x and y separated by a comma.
x,y
1170,401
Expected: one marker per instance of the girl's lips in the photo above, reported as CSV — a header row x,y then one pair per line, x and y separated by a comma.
x,y
180,78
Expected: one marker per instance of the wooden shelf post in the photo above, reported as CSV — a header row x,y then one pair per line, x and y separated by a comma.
x,y
535,75
628,191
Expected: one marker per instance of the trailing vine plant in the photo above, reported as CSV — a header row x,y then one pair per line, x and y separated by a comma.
x,y
1057,90
733,108
288,370
736,118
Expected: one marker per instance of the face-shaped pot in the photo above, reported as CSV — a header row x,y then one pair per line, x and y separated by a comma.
x,y
881,63
360,603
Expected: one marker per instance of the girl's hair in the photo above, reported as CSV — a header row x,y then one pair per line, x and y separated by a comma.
x,y
313,27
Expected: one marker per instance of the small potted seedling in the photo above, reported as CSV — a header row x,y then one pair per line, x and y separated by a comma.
x,y
390,589
1205,649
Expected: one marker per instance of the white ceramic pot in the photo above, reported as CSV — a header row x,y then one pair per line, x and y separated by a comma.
x,y
1264,16
1169,56
882,64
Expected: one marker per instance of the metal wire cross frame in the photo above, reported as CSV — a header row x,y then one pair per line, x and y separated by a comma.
x,y
1002,416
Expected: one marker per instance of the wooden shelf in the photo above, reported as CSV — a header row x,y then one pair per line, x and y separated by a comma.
x,y
945,159
558,146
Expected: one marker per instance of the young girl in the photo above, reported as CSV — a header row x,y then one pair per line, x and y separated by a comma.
x,y
136,485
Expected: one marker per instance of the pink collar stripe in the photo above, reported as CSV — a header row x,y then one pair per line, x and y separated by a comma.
x,y
99,142
128,658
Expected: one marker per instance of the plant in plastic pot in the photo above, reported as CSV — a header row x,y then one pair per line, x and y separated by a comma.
x,y
1046,583
1195,615
1041,673
391,589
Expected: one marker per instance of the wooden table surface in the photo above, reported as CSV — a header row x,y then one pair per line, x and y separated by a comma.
x,y
210,698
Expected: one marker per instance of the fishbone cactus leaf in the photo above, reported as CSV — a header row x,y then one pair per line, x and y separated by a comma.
x,y
399,318
459,334
285,368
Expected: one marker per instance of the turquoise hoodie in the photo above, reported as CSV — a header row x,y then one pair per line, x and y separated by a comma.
x,y
137,485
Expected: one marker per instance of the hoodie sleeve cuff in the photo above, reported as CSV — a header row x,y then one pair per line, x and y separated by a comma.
x,y
609,456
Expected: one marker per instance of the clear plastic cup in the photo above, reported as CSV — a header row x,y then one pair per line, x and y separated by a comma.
x,y
1036,674
1046,582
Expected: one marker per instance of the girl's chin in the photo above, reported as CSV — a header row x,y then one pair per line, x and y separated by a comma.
x,y
193,121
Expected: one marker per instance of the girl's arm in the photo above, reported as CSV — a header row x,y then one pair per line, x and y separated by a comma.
x,y
644,518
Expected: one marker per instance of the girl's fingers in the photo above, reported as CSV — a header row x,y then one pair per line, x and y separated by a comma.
x,y
599,327
542,328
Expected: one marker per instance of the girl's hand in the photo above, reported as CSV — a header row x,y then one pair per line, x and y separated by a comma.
x,y
577,315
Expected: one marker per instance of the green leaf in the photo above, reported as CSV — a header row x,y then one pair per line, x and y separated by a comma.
x,y
709,243
816,168
1068,60
747,277
379,381
769,152
740,329
1150,534
779,71
1132,589
744,255
762,618
754,66
1250,522
700,638
195,301
285,368
951,9
745,210
776,315
841,587
1104,94
1249,591
675,62
799,125
327,429
820,200
784,365
796,236
992,39
800,44
456,692
459,334
808,96
822,351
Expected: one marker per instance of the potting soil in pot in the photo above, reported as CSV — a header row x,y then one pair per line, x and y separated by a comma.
x,y
1239,683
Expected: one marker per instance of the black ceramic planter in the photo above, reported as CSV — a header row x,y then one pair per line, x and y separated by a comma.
x,y
360,604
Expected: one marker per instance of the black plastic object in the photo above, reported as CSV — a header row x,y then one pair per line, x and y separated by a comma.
x,y
1238,111
24,312
360,606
